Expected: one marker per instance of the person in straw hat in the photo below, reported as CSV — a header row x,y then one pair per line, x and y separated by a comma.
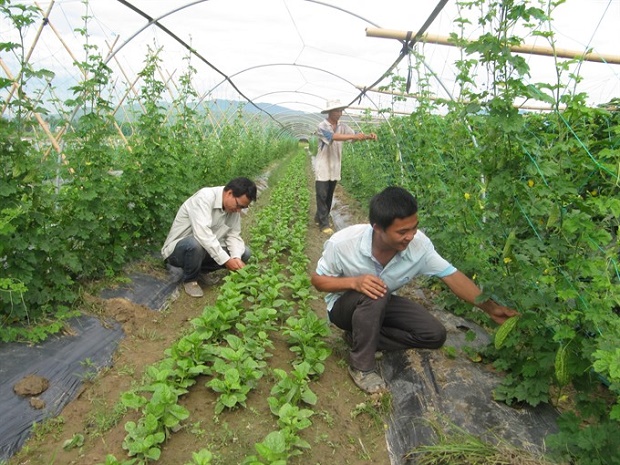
x,y
332,133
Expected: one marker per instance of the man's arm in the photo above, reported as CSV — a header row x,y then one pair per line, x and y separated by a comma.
x,y
465,289
368,284
356,136
233,240
200,209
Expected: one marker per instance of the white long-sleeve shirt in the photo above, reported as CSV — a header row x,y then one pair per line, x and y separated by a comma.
x,y
203,216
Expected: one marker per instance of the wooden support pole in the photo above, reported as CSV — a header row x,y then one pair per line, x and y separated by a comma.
x,y
167,82
176,88
116,126
64,44
526,49
15,80
214,122
119,105
37,116
132,86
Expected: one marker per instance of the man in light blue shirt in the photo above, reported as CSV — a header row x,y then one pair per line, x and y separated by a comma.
x,y
363,265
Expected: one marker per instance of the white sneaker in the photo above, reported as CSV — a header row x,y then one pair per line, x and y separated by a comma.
x,y
193,289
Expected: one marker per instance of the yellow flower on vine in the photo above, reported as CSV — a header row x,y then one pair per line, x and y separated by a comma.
x,y
530,183
466,195
507,260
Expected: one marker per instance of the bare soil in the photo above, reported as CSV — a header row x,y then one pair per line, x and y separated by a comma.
x,y
347,427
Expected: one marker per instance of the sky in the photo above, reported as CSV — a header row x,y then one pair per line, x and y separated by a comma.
x,y
296,53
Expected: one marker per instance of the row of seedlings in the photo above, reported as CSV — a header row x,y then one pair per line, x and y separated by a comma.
x,y
230,340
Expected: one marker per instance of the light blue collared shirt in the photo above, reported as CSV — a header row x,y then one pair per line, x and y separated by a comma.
x,y
349,253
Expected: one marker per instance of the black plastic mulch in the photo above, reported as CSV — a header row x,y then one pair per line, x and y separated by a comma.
x,y
66,360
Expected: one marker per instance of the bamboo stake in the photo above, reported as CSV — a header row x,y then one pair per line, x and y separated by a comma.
x,y
132,87
199,101
527,49
120,133
15,85
176,88
120,106
167,86
64,44
214,122
37,116
116,126
129,89
122,99
209,114
62,130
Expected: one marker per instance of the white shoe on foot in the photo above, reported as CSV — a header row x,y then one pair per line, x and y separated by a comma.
x,y
193,289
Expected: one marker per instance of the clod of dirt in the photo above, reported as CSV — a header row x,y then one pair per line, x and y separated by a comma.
x,y
31,385
37,403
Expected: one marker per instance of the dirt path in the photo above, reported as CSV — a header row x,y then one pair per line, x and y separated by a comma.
x,y
347,425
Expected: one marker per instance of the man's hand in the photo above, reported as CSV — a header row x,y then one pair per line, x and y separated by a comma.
x,y
234,264
371,285
371,136
499,314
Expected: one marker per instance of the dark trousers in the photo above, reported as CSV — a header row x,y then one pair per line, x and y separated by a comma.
x,y
324,196
389,323
193,258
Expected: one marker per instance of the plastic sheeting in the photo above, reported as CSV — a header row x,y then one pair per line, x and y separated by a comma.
x,y
150,291
429,387
65,361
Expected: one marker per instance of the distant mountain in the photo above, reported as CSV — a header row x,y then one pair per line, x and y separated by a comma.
x,y
232,105
218,109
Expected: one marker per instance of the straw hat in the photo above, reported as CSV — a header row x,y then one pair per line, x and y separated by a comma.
x,y
333,105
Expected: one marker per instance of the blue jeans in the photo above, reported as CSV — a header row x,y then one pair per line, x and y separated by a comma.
x,y
189,255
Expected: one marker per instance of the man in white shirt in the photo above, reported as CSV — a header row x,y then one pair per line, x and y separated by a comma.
x,y
363,265
327,164
206,233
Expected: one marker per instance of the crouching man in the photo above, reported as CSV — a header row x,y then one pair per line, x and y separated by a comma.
x,y
363,265
206,234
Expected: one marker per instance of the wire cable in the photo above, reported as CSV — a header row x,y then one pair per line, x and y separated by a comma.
x,y
155,22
